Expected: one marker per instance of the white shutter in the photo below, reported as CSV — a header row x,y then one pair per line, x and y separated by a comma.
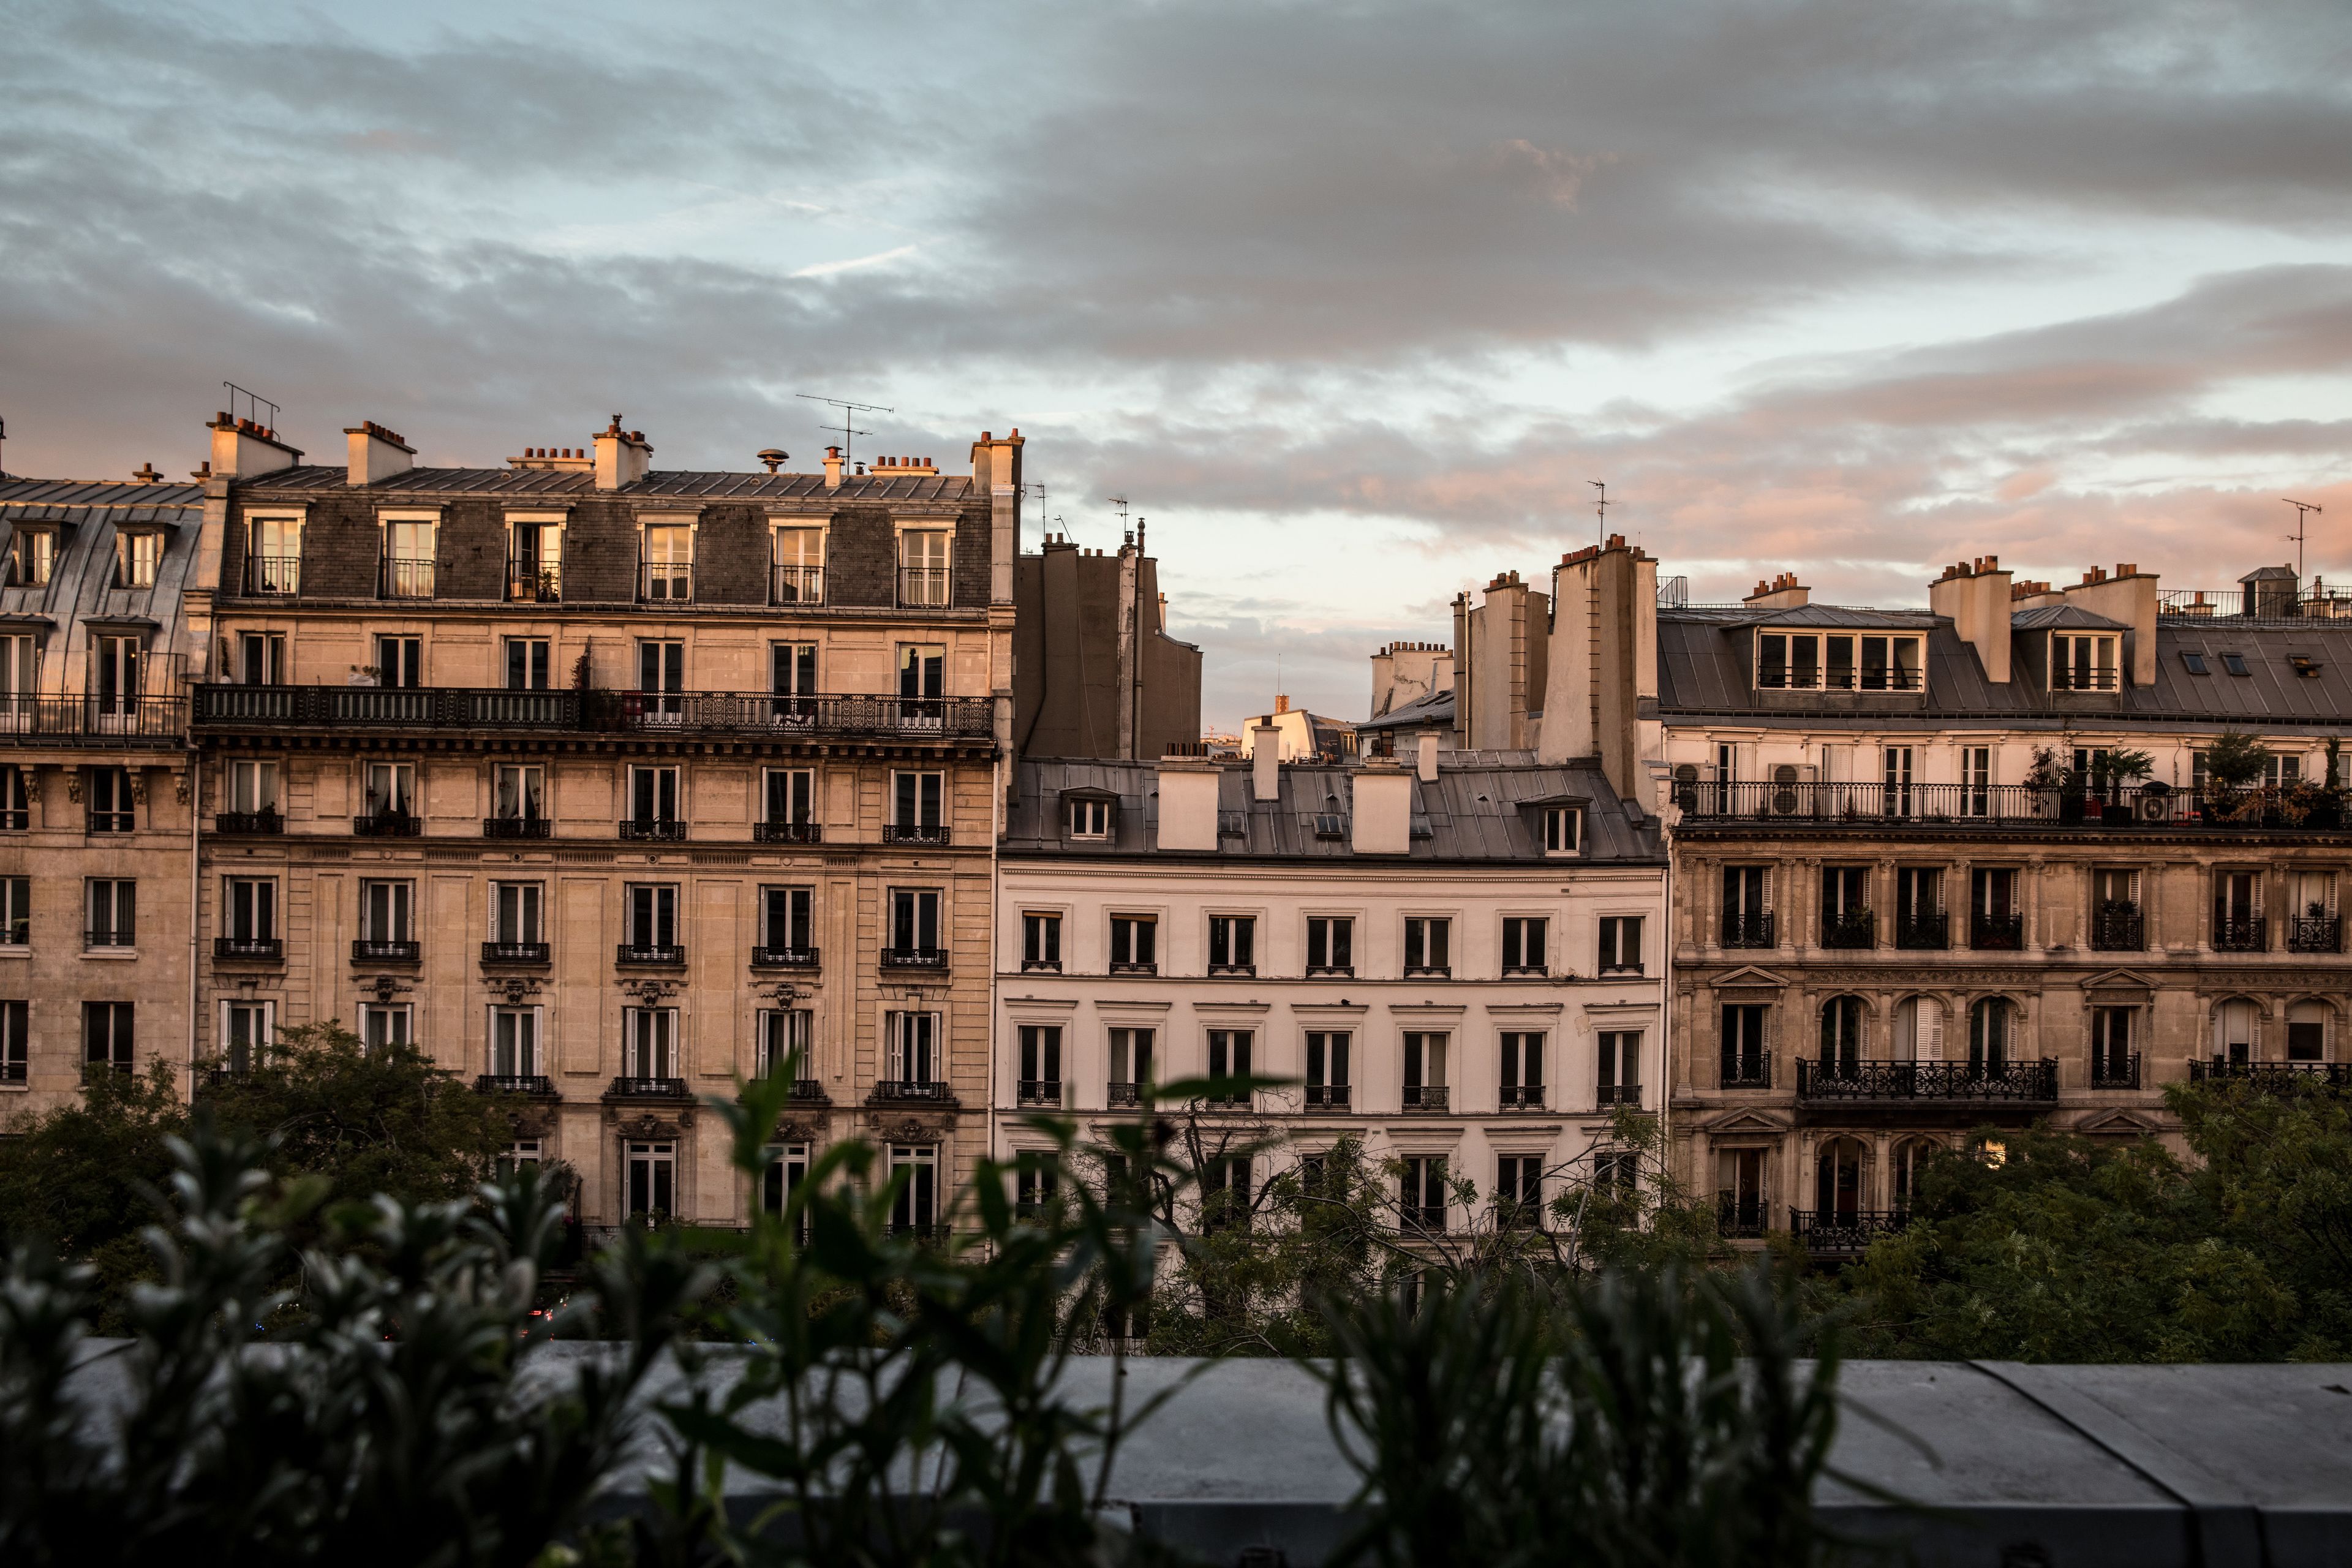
x,y
1931,1049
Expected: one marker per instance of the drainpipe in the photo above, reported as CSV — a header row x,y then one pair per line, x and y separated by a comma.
x,y
996,813
195,891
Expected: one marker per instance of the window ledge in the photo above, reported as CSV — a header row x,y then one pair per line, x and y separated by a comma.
x,y
109,954
17,950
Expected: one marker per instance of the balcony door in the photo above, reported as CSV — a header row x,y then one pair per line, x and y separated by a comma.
x,y
1842,1038
1989,1037
922,682
661,682
1837,1182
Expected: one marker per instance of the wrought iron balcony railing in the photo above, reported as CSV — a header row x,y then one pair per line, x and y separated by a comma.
x,y
2239,933
534,583
1747,928
2114,1070
2033,1082
666,581
517,827
1328,1096
1853,928
2315,933
1614,1094
1039,1091
272,576
2118,927
537,1085
277,709
1740,1217
1926,932
788,832
514,952
923,587
664,952
631,1087
1996,933
125,720
914,1089
798,585
2273,1076
784,958
928,833
653,829
243,821
252,949
914,958
115,936
1123,1096
387,824
1427,1096
1522,1096
2302,806
1845,1230
386,950
405,578
1745,1070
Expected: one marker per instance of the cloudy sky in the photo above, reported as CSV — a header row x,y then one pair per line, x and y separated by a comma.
x,y
1352,300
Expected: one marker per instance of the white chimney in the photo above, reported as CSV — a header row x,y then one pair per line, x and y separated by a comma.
x,y
241,449
1424,764
833,467
622,456
1188,804
376,453
1265,762
1382,813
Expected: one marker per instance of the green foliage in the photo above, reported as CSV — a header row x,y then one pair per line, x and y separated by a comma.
x,y
2233,760
80,1177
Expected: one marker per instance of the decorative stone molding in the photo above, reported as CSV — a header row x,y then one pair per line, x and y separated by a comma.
x,y
387,986
651,990
73,785
649,1128
516,988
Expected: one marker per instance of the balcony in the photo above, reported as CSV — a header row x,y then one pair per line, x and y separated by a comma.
x,y
276,710
2239,933
273,577
1750,928
1041,966
1713,803
1330,971
2272,1078
1745,1070
516,826
1610,1096
919,1090
667,954
1996,933
249,822
534,583
387,824
1038,1091
1433,971
250,949
810,1091
1242,969
629,1088
1740,1218
784,958
1328,1096
923,587
1853,928
914,958
112,821
2118,927
386,950
1123,1096
787,833
2115,1071
537,1085
1925,932
666,581
514,952
1522,1096
797,585
33,720
1889,1081
933,834
1132,966
1844,1232
2065,680
2315,933
405,578
652,829
1524,971
1428,1096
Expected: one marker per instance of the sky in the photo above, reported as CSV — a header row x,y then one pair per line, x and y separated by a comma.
x,y
1352,301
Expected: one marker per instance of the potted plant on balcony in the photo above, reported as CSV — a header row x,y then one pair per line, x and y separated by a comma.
x,y
2232,764
2111,773
2048,779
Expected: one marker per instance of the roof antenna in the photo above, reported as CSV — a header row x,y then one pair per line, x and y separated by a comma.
x,y
1126,533
847,408
2303,510
1044,531
1602,507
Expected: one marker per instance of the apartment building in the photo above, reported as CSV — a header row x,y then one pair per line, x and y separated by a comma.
x,y
1452,956
97,841
605,784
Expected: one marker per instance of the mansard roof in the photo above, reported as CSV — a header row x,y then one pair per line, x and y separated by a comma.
x,y
661,484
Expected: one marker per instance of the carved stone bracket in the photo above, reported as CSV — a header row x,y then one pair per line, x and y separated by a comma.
x,y
180,785
785,993
650,1128
794,1130
517,988
387,986
650,990
73,785
138,786
909,1128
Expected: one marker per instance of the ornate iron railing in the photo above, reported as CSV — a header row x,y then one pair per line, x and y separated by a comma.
x,y
2114,1070
249,822
1960,1080
1853,928
1427,1096
2239,933
536,1084
2118,927
2297,805
632,1087
2315,933
2271,1075
424,708
1925,931
1747,928
1745,1070
1845,1230
386,950
1996,933
514,952
784,958
666,952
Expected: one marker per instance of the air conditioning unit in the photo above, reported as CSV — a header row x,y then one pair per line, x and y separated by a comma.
x,y
1788,798
2148,807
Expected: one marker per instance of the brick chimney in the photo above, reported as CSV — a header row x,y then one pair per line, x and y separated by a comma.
x,y
1976,596
1188,803
242,449
1782,593
376,453
622,456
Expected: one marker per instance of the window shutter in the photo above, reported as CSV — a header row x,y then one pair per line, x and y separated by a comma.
x,y
2259,879
1931,1018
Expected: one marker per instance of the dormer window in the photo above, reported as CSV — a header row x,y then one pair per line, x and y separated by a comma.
x,y
2081,662
32,557
1843,661
136,557
1563,829
1089,818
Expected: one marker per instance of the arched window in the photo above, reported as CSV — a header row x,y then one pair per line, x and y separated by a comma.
x,y
1841,1036
1989,1026
2237,1026
1918,1030
1904,1184
1837,1182
2306,1032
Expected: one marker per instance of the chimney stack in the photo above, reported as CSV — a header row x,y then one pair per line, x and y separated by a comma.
x,y
1782,593
1281,704
1265,762
243,449
1380,819
376,453
833,467
1976,596
2129,597
1425,765
1188,803
1603,657
622,456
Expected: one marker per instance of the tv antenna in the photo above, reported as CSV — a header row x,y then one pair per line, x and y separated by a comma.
x,y
2303,510
848,409
254,405
1602,507
1039,486
1126,533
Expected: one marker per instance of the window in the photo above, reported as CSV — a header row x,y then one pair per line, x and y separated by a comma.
x,y
922,682
1232,944
1745,1064
792,679
1041,1065
1617,1173
527,662
788,920
1225,1193
2083,663
1033,1190
1920,906
522,1154
1840,1044
252,788
669,561
1805,662
514,1042
652,1177
250,911
2237,1027
273,555
915,922
1895,768
1523,945
15,798
799,566
649,1042
2111,1049
1846,920
1518,1190
117,664
113,912
788,1165
914,1048
1134,944
514,913
32,557
2306,1032
110,806
384,1025
1995,921
408,558
2279,771
20,679
915,1171
399,661
1918,1035
1428,946
1988,1024
244,1034
1041,942
654,801
1740,1191
1089,819
1130,1065
534,561
2194,662
1621,944
136,558
791,804
261,659
652,916
1619,1072
2238,911
1328,1087
784,1037
518,793
1229,1056
107,1031
1425,1070
390,791
1747,914
16,1039
1522,1075
1976,781
923,567
1330,945
917,804
2235,663
661,682
15,910
1561,829
1422,1193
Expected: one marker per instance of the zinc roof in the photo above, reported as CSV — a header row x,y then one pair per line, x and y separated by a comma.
x,y
695,484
